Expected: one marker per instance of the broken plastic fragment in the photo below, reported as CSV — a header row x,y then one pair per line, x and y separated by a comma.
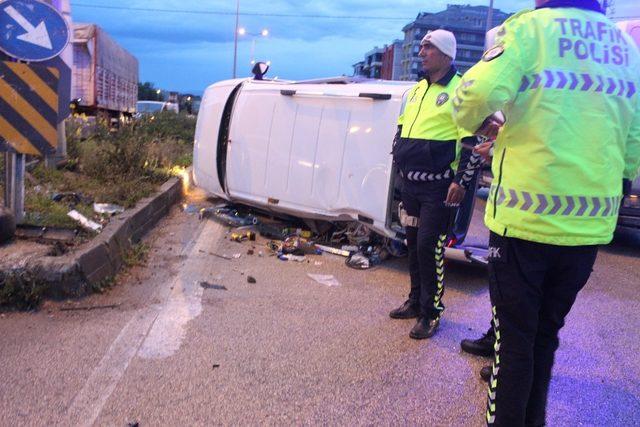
x,y
334,251
84,221
107,208
290,257
324,279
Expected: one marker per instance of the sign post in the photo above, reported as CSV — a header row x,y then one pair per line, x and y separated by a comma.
x,y
14,184
33,31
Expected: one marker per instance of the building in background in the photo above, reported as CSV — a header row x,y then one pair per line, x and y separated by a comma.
x,y
372,67
468,23
358,68
381,63
392,61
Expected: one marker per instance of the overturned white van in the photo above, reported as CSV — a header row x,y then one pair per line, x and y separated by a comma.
x,y
318,149
314,149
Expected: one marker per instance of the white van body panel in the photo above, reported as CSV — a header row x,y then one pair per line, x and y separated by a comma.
x,y
313,150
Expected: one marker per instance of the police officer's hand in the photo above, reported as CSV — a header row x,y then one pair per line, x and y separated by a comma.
x,y
455,195
484,150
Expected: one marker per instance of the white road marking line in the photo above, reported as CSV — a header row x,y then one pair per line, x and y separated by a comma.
x,y
183,305
157,329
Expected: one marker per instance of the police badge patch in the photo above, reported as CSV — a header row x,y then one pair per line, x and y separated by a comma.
x,y
442,98
493,53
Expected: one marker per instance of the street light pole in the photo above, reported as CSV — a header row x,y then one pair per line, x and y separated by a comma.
x,y
235,39
490,17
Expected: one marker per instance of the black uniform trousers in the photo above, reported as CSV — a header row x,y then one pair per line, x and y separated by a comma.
x,y
425,243
533,286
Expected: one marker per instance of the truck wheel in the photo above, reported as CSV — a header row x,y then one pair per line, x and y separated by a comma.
x,y
7,225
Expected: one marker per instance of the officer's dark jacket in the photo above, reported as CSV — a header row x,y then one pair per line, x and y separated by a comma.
x,y
428,141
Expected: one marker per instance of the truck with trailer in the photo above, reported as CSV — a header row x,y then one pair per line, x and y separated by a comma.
x,y
105,75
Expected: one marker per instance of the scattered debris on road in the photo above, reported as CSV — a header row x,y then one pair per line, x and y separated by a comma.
x,y
334,251
190,209
358,261
107,208
207,285
229,216
90,307
324,279
71,198
290,241
297,245
228,258
251,279
240,237
291,257
84,221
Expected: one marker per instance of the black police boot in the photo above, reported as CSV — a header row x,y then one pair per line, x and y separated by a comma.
x,y
408,310
424,328
485,373
483,346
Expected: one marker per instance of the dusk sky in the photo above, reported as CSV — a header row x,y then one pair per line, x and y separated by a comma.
x,y
185,45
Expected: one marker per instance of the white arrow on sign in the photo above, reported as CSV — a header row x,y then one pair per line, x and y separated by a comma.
x,y
34,35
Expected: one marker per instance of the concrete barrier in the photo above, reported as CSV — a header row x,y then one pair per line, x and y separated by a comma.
x,y
74,274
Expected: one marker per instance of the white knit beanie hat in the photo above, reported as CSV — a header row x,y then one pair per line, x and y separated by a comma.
x,y
444,40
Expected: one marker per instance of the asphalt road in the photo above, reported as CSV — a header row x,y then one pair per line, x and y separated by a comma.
x,y
288,350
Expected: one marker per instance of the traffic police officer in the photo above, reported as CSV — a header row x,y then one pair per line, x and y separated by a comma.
x,y
427,150
566,79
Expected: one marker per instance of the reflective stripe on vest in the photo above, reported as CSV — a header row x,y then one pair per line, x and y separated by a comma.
x,y
545,204
583,82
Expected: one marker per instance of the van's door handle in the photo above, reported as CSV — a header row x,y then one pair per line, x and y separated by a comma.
x,y
374,96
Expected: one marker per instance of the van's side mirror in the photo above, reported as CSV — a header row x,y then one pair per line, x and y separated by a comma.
x,y
259,70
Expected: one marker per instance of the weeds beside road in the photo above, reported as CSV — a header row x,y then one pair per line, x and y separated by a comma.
x,y
118,167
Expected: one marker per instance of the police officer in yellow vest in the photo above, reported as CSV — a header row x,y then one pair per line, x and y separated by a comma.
x,y
567,81
427,150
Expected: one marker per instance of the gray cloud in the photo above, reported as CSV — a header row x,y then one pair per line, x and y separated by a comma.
x,y
185,51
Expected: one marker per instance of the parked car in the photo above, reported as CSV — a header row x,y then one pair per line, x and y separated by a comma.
x,y
318,149
629,216
153,107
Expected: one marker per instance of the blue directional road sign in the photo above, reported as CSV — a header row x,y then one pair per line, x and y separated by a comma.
x,y
31,30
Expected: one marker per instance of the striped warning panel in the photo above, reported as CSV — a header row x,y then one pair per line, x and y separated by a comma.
x,y
28,108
